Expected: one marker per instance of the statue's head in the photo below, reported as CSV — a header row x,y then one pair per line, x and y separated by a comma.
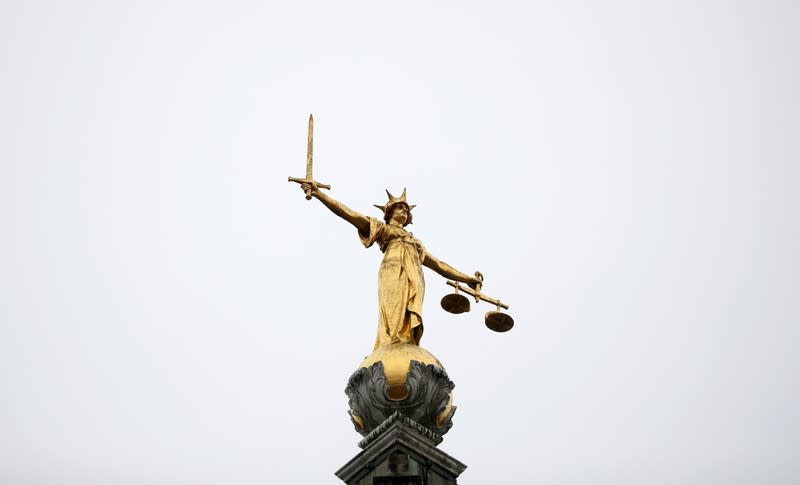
x,y
397,208
400,213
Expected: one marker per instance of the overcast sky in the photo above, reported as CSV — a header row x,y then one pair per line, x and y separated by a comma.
x,y
624,174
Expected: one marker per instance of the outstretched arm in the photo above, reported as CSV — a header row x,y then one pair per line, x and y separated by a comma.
x,y
448,271
360,221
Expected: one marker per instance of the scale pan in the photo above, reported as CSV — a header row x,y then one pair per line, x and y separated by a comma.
x,y
499,321
455,303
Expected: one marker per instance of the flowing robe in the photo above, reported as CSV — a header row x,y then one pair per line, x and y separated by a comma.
x,y
401,286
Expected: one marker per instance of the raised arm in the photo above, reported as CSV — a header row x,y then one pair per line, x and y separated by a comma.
x,y
360,221
448,271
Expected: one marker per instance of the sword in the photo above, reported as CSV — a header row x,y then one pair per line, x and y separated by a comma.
x,y
310,163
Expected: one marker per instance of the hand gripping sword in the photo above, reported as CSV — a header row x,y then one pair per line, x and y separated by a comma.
x,y
309,163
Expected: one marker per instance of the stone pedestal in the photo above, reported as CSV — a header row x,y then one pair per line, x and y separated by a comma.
x,y
401,452
401,402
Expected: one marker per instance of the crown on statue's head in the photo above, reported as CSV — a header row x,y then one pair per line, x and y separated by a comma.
x,y
393,201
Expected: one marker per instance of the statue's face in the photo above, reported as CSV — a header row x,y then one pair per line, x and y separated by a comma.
x,y
399,214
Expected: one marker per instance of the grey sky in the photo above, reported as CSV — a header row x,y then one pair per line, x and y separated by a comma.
x,y
624,174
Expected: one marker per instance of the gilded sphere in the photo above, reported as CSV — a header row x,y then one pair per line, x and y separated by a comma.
x,y
396,360
421,400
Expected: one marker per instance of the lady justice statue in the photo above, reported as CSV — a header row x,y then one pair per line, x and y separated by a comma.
x,y
397,360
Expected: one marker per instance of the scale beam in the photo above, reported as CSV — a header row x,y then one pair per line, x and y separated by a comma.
x,y
477,294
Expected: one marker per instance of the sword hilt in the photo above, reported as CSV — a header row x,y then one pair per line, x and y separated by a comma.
x,y
314,184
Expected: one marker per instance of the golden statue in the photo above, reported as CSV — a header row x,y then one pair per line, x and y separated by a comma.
x,y
401,284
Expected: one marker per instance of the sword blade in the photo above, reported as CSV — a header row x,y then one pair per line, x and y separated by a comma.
x,y
310,152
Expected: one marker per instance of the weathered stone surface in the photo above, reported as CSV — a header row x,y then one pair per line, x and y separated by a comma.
x,y
426,401
399,452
